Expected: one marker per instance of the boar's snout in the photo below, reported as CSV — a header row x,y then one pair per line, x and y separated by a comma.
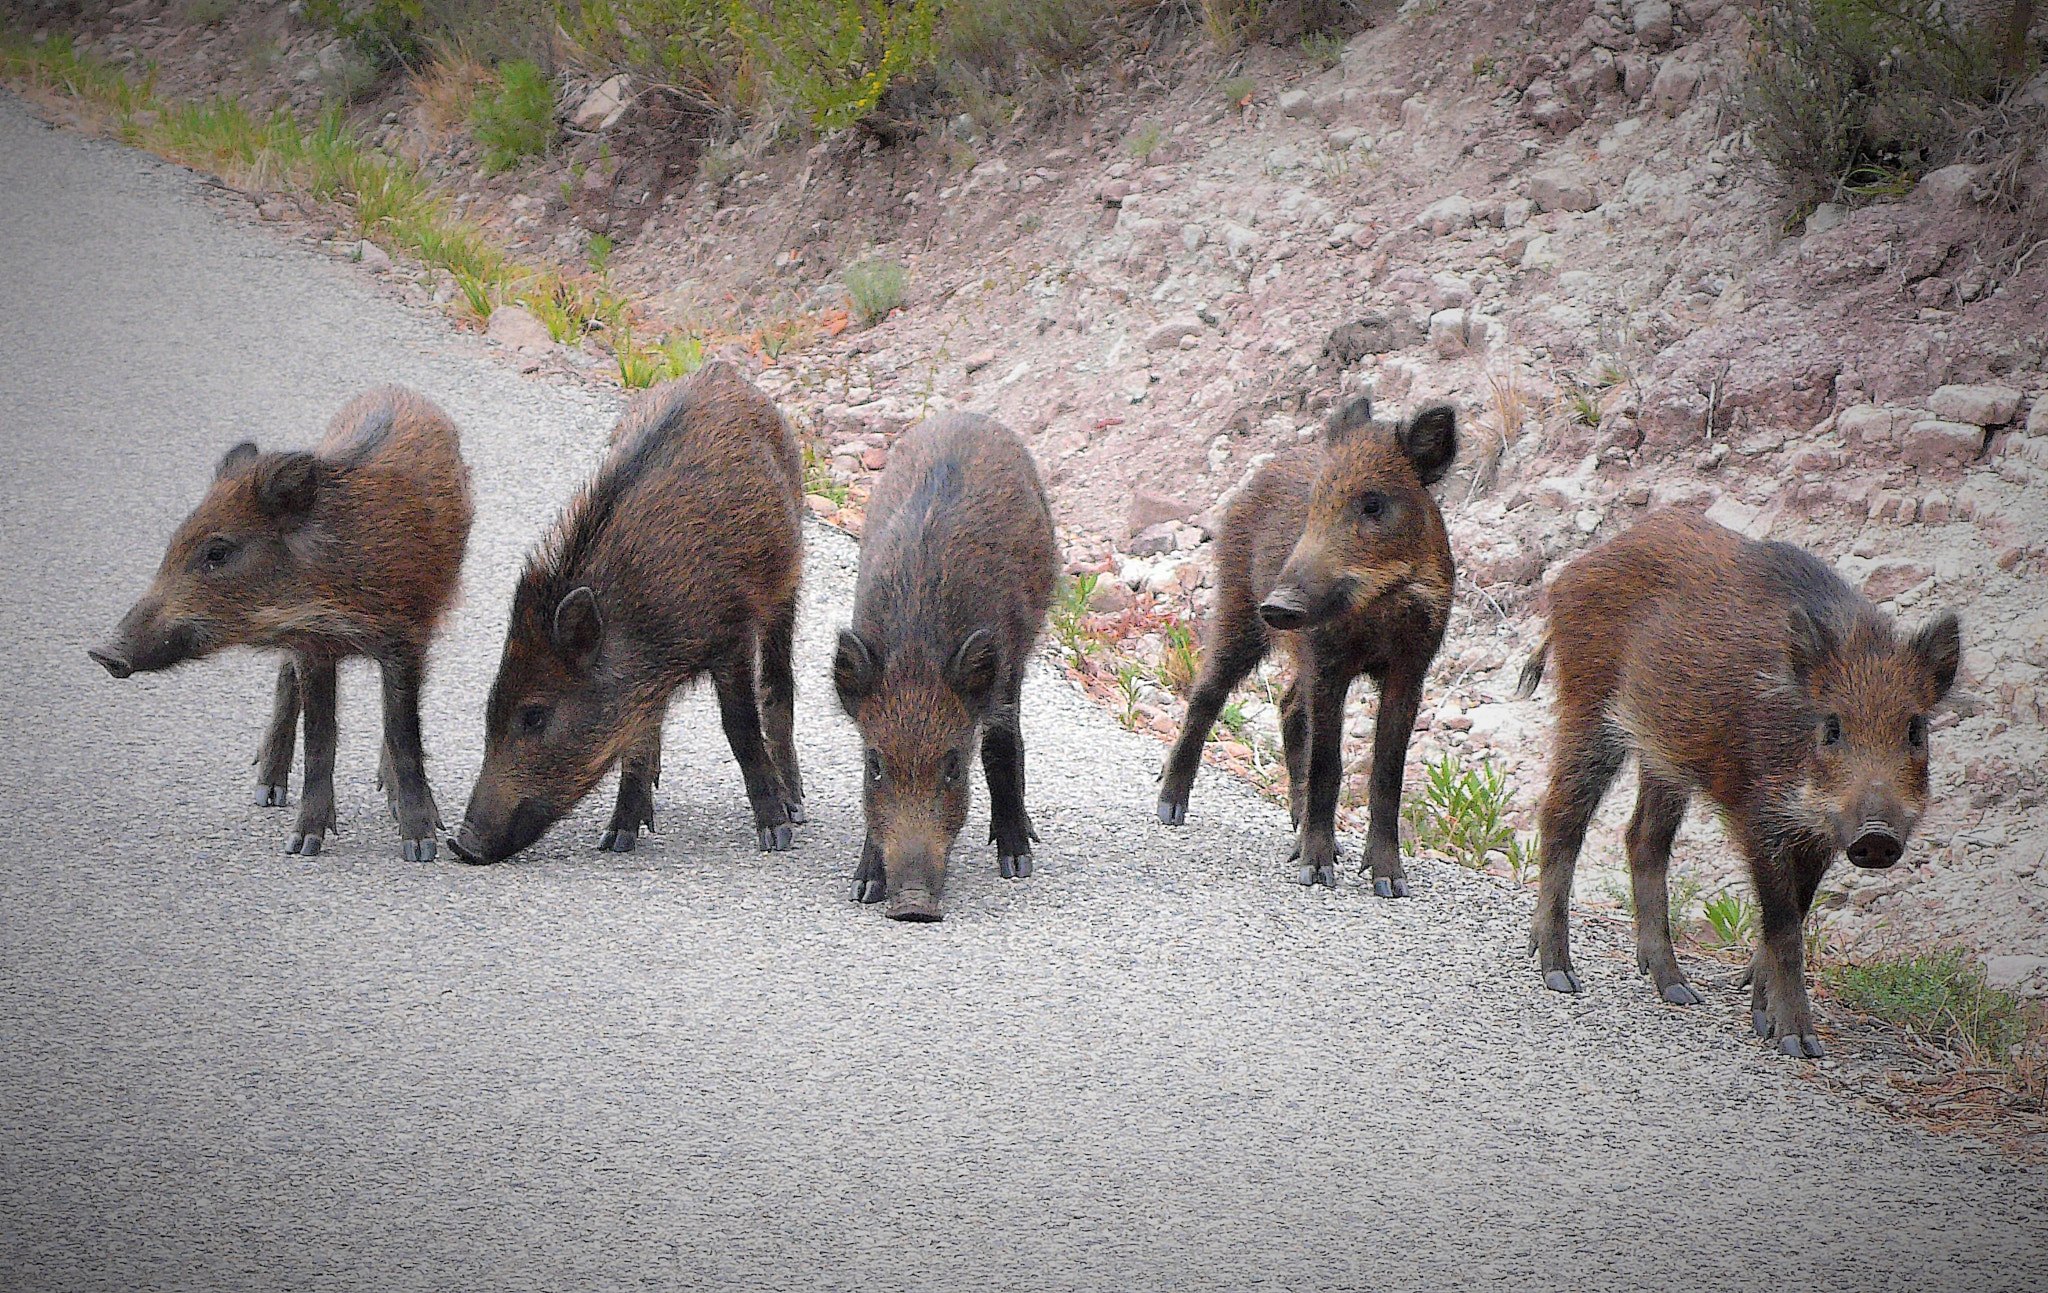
x,y
1876,846
1286,607
476,843
109,658
920,905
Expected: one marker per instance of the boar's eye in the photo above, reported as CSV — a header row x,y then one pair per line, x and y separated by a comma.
x,y
215,553
951,770
1916,731
874,765
1372,504
1830,730
533,720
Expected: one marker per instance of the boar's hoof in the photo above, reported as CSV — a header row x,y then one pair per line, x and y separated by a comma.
x,y
1562,981
1390,886
1682,994
304,845
868,891
775,839
616,840
1173,814
1325,875
416,850
916,905
1760,1023
1015,866
273,796
795,809
1808,1045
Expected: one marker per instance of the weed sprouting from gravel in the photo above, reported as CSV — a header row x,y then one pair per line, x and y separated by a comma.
x,y
1322,50
1940,997
1461,813
874,287
1237,91
1144,141
598,252
1732,918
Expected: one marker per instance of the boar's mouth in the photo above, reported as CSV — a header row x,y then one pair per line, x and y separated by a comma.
x,y
112,663
529,821
135,653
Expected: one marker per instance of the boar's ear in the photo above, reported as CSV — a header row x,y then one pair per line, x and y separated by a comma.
x,y
1346,419
1938,648
1808,642
856,669
578,628
971,673
235,459
286,485
1430,439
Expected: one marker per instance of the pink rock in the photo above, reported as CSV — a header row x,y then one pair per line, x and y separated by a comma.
x,y
1865,425
1149,507
1984,406
514,327
1934,509
1933,443
1890,576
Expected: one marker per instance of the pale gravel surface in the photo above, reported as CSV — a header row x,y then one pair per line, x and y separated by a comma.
x,y
1154,1065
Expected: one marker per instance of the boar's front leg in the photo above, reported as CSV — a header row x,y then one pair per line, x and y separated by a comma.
x,y
1778,1003
316,800
405,761
1324,699
1002,763
274,756
778,703
1400,698
639,774
870,878
739,710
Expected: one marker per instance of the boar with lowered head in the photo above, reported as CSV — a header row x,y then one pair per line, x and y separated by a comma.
x,y
1750,673
1341,560
957,563
352,549
680,558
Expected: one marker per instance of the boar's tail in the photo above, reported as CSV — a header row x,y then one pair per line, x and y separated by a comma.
x,y
1532,672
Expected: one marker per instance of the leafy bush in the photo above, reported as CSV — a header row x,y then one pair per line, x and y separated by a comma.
x,y
1855,99
1462,814
1732,917
1939,995
387,33
836,58
1237,91
515,118
688,46
874,287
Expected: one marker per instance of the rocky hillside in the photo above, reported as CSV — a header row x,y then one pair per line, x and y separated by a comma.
x,y
1550,216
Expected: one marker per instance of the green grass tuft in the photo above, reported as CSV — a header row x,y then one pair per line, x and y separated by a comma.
x,y
874,287
1940,996
515,118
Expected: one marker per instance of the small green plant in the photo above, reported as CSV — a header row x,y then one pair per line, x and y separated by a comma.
x,y
1144,141
1237,91
1485,67
1462,814
1069,617
1584,408
515,118
1231,717
1940,996
1322,50
1179,659
1030,222
1129,679
1732,917
818,478
836,58
207,13
598,252
874,287
677,355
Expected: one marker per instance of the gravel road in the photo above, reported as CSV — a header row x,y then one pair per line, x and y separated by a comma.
x,y
1156,1064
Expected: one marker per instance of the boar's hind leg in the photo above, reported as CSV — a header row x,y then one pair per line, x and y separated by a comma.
x,y
778,704
274,756
1660,807
740,712
1002,762
1778,1003
316,800
1317,841
1400,698
1237,642
639,774
1587,754
404,758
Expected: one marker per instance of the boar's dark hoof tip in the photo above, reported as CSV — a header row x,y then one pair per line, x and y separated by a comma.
x,y
775,839
1807,1046
617,841
1760,1023
303,845
416,850
1015,867
1173,814
1392,887
795,809
1562,981
1325,875
1682,994
867,891
273,796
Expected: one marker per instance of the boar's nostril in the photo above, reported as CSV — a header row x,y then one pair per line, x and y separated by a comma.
x,y
1876,847
1285,608
112,663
